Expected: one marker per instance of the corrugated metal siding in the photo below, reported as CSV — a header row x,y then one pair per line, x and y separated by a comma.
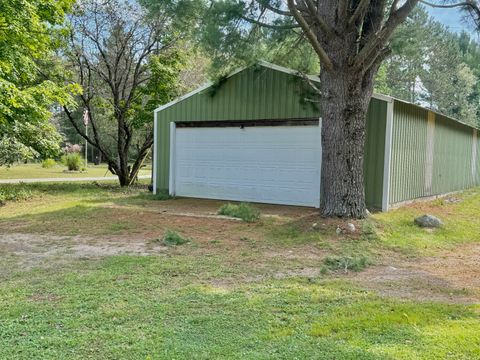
x,y
264,93
477,177
452,161
375,153
409,135
452,155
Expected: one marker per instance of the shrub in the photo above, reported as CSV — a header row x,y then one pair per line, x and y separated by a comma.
x,y
345,263
172,238
48,163
241,211
72,161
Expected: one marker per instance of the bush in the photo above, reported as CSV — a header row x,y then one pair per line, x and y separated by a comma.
x,y
241,211
172,238
48,163
345,263
72,161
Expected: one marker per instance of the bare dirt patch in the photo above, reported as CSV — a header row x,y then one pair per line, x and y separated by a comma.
x,y
451,276
27,251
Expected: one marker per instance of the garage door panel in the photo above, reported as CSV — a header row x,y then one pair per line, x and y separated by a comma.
x,y
277,165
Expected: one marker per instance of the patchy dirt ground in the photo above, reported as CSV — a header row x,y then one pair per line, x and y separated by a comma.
x,y
451,276
44,241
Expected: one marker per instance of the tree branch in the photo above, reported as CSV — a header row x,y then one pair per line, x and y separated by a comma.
x,y
449,6
314,12
310,36
378,39
270,26
267,6
359,12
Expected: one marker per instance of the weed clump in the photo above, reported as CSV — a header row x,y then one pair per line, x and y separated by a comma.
x,y
161,195
369,231
344,263
172,238
242,211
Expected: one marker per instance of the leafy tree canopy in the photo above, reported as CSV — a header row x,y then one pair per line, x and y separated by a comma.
x,y
30,31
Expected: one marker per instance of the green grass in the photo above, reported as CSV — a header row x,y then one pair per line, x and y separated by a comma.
x,y
172,238
135,307
242,211
345,263
461,224
221,298
36,171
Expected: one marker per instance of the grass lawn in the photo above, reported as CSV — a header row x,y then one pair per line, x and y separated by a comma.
x,y
85,274
35,171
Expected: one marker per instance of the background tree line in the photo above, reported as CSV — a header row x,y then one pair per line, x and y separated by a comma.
x,y
120,59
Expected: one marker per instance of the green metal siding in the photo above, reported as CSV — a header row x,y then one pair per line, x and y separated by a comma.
x,y
477,167
409,135
452,155
264,93
375,152
452,161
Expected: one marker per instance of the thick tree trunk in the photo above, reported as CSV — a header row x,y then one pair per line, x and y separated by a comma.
x,y
345,100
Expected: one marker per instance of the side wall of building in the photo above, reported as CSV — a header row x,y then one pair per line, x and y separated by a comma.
x,y
375,153
431,154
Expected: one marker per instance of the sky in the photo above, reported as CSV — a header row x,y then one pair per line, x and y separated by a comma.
x,y
451,18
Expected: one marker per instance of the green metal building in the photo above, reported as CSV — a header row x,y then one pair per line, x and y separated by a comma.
x,y
255,136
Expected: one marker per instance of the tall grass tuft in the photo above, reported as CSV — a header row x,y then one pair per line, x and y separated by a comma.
x,y
241,211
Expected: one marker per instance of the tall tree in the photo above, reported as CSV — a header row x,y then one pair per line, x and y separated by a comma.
x,y
30,31
351,40
427,67
127,62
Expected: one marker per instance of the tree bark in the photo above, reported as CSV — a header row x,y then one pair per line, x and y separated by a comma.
x,y
345,100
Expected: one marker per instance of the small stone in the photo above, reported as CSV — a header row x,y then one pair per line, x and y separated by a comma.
x,y
351,227
338,231
428,221
367,213
315,226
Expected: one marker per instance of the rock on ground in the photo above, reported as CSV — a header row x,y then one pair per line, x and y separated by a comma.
x,y
428,221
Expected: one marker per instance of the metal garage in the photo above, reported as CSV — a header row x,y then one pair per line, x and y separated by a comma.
x,y
255,136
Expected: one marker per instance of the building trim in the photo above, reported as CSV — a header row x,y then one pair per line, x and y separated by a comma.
x,y
388,156
155,151
171,177
474,155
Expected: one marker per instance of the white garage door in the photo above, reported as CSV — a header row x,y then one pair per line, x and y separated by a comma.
x,y
266,164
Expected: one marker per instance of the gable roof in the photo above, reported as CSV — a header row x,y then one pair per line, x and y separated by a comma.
x,y
312,78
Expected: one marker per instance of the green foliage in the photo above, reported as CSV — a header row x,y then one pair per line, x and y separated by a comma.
x,y
48,163
242,211
235,42
73,161
172,238
162,87
14,193
432,65
29,34
345,263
